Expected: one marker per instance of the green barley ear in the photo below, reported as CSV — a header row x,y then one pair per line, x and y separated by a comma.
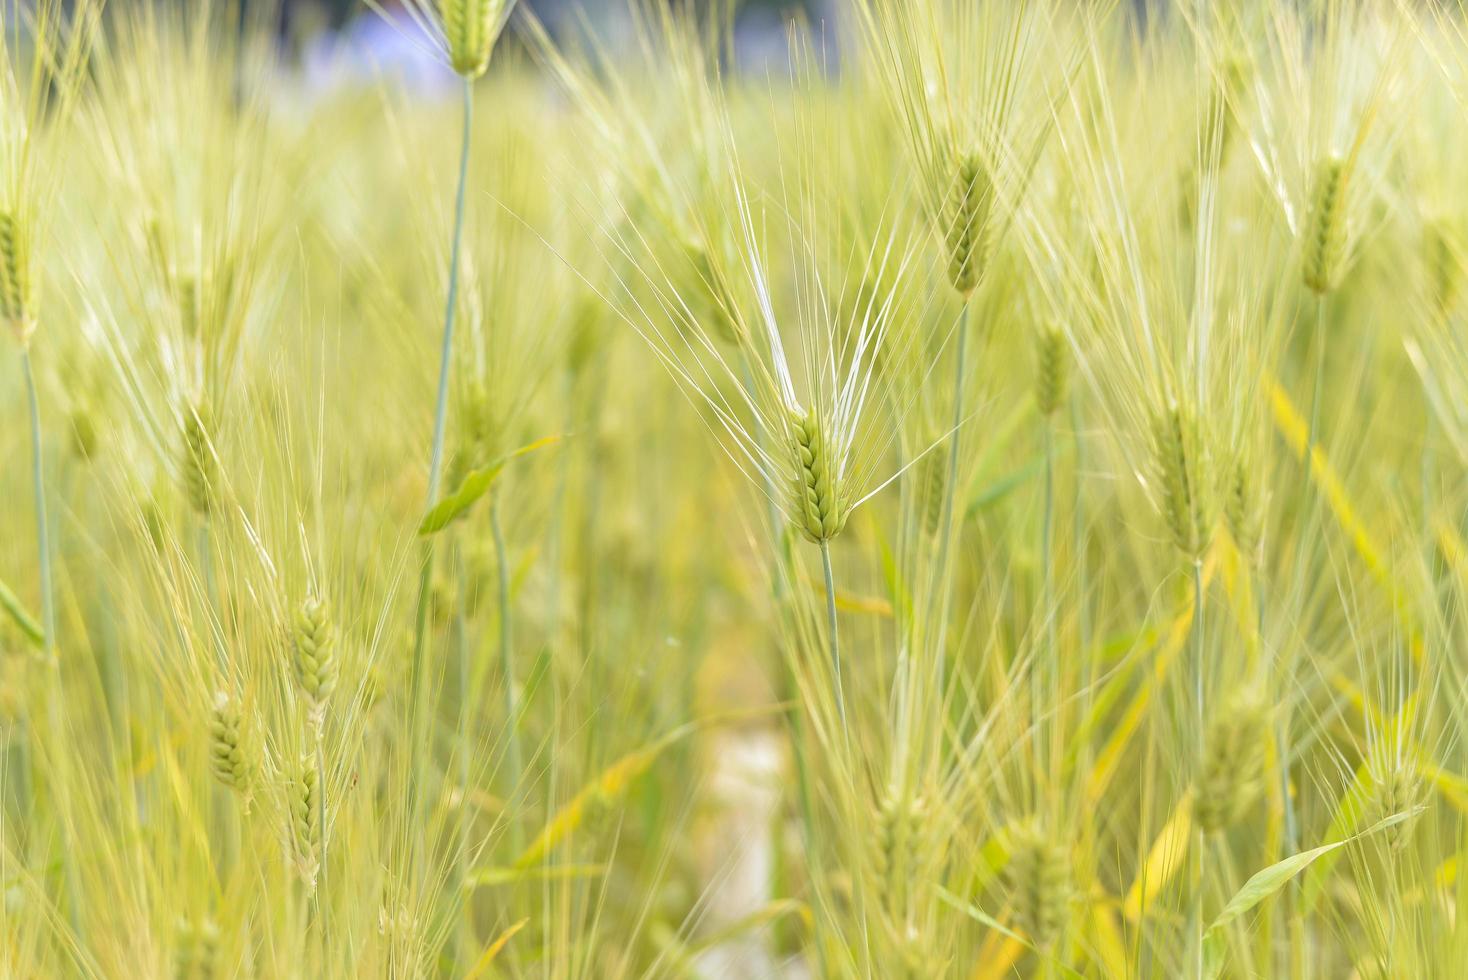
x,y
198,461
1179,463
1050,370
820,511
15,278
305,822
196,951
469,27
1399,789
1325,227
1243,509
968,225
313,642
932,478
1231,776
229,756
898,844
1038,878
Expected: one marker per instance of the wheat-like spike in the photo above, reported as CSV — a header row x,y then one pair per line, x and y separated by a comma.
x,y
313,642
818,504
469,28
196,951
1242,510
932,478
305,822
1325,229
198,458
1231,776
1177,448
968,225
229,756
898,843
1399,789
1038,878
15,278
1050,370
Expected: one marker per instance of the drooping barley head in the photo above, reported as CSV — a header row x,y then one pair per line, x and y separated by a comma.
x,y
229,756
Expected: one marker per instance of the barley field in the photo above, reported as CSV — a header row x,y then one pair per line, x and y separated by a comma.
x,y
978,492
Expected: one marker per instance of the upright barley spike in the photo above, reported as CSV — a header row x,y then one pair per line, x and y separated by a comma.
x,y
1179,463
229,756
1325,228
305,822
932,479
1242,510
198,458
1038,878
897,849
1399,789
968,225
196,953
1050,370
469,28
15,278
819,508
313,644
1232,766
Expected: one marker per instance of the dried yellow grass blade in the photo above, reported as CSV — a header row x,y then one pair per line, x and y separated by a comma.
x,y
493,949
1164,859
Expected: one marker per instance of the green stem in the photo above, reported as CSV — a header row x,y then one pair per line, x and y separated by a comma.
x,y
321,896
43,532
835,639
1195,918
1047,584
950,487
418,707
55,733
512,721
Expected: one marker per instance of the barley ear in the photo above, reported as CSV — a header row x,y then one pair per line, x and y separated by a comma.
x,y
1325,227
198,458
967,222
1050,370
820,511
469,28
1181,473
1231,774
196,950
229,756
15,278
1038,878
305,822
313,644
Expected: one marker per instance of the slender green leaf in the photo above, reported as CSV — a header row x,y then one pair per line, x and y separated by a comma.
x,y
27,623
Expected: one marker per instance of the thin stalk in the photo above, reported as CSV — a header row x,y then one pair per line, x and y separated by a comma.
x,y
55,734
461,655
512,724
835,639
321,897
1047,597
960,368
418,707
1195,917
